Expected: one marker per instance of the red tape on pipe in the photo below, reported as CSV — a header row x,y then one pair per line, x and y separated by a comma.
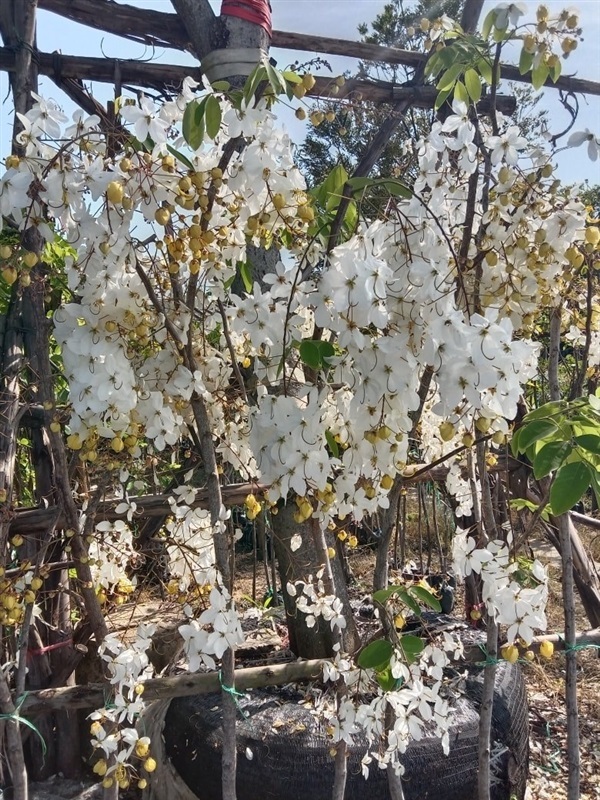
x,y
256,11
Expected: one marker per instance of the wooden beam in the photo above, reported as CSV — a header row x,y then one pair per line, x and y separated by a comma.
x,y
410,58
154,28
385,92
169,77
138,73
166,30
97,695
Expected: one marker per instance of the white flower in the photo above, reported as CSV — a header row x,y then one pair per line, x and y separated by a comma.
x,y
509,13
578,138
506,146
146,120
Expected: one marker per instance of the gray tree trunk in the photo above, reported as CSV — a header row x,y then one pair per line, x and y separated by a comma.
x,y
316,642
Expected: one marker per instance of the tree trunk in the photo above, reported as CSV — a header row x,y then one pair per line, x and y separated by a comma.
x,y
316,642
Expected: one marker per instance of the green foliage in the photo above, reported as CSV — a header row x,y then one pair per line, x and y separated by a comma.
x,y
314,353
327,197
377,655
203,117
562,438
460,68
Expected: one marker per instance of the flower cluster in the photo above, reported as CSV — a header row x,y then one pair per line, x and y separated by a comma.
x,y
112,729
512,600
312,600
216,629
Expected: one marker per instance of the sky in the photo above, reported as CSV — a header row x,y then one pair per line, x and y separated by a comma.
x,y
338,18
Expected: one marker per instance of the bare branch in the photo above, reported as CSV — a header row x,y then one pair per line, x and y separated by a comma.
x,y
153,28
162,77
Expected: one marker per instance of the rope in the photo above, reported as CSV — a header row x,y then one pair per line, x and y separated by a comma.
x,y
15,717
489,660
255,11
40,651
571,648
234,695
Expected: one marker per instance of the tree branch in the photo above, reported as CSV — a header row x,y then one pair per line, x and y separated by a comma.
x,y
198,19
67,72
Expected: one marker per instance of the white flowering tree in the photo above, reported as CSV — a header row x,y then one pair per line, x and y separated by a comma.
x,y
150,338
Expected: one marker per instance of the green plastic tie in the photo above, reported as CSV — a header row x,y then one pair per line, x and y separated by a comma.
x,y
232,691
16,717
571,648
490,661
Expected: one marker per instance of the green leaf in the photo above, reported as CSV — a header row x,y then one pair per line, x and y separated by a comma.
x,y
246,275
473,85
539,75
376,655
520,503
332,444
441,98
460,92
275,79
221,86
449,77
550,457
555,71
426,597
547,410
212,116
595,483
488,23
571,481
394,187
534,431
446,57
486,71
291,77
313,352
411,646
193,123
409,602
332,185
525,61
386,680
257,76
184,160
358,184
382,596
350,218
397,189
594,402
589,442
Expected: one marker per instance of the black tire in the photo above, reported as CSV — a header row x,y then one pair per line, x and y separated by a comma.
x,y
292,760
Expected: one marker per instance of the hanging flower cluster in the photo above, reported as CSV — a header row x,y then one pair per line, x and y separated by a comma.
x,y
513,598
125,755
